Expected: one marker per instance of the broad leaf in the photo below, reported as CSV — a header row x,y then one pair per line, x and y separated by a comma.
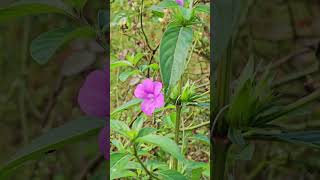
x,y
165,143
47,44
171,175
120,127
52,140
225,17
173,53
146,131
33,7
118,166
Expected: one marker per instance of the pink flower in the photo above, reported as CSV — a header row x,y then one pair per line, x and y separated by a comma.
x,y
93,99
180,2
150,93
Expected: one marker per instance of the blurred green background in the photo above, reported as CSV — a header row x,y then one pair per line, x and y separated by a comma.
x,y
35,98
281,32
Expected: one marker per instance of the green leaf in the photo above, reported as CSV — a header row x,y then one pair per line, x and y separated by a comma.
x,y
202,8
225,17
309,138
120,127
33,7
52,140
146,131
125,75
164,5
48,43
173,53
171,175
202,138
165,143
126,106
138,123
118,166
121,64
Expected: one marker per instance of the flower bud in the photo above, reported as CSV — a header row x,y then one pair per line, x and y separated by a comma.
x,y
188,92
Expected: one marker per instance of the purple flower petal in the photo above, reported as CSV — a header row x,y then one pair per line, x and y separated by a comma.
x,y
159,101
180,2
139,92
147,106
93,98
148,86
104,143
157,87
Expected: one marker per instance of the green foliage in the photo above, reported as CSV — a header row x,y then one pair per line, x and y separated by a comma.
x,y
52,140
46,45
33,7
171,175
165,143
173,53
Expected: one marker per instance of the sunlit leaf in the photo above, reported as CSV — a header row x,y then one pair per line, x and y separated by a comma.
x,y
173,53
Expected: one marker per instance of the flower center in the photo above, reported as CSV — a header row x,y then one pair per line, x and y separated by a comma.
x,y
150,96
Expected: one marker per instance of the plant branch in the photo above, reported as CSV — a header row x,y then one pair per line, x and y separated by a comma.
x,y
141,163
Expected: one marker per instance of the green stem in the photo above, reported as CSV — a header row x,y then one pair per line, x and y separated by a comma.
x,y
176,132
219,128
141,163
220,152
108,169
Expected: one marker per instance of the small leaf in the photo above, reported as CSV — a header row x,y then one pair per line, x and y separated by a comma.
x,y
47,44
202,8
138,123
33,7
202,138
52,140
125,75
126,106
121,64
165,143
174,48
171,175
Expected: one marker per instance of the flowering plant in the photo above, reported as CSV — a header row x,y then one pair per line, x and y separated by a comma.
x,y
158,104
